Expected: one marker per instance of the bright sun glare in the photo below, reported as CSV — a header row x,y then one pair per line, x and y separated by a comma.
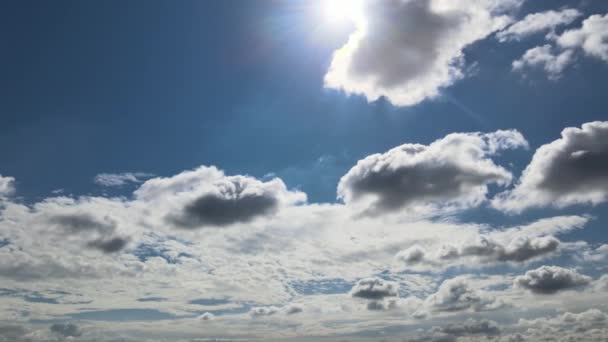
x,y
336,11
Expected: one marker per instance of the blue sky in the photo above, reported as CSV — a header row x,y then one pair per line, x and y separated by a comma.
x,y
297,168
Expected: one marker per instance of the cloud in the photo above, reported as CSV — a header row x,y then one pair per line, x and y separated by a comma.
x,y
293,309
567,171
452,171
456,294
207,316
412,255
83,222
263,311
120,179
111,245
408,50
453,332
590,325
592,37
374,289
543,56
66,329
206,197
538,22
7,185
551,279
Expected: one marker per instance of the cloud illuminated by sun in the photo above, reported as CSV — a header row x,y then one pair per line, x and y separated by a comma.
x,y
338,11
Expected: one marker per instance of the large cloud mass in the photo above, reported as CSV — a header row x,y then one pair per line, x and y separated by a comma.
x,y
407,50
453,171
570,170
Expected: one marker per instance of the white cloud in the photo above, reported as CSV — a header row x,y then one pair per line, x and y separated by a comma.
x,y
592,37
538,22
457,294
409,50
567,171
451,172
543,56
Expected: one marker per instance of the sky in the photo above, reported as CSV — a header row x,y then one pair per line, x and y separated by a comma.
x,y
303,170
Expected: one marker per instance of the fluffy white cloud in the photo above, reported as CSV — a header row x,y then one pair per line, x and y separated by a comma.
x,y
592,37
451,172
570,170
590,325
551,279
538,22
409,50
544,56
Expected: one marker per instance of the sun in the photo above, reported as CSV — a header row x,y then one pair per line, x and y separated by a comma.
x,y
337,11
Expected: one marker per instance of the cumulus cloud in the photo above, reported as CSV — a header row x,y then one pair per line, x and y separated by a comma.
x,y
110,245
374,289
207,197
551,279
592,37
538,22
86,224
453,332
7,185
553,63
590,325
408,50
120,179
456,294
567,171
453,171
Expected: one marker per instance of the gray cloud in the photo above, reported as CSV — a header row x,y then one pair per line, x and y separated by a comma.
x,y
570,170
408,50
551,279
110,245
66,329
374,289
454,171
453,332
226,209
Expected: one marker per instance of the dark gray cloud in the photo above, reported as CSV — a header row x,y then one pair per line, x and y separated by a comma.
x,y
454,170
570,170
551,279
66,329
374,289
112,245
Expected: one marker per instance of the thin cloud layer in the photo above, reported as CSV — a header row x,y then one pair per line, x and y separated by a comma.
x,y
408,50
567,171
453,171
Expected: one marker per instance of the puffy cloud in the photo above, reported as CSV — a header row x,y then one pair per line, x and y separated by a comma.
x,y
453,171
570,170
543,56
408,50
110,245
83,222
551,279
7,185
120,179
538,22
263,311
206,197
293,309
453,332
374,289
412,255
598,254
456,294
592,37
